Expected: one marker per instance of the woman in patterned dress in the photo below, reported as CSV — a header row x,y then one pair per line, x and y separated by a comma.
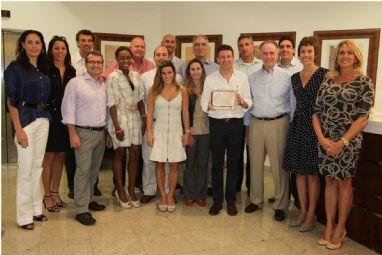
x,y
300,156
340,114
125,93
171,130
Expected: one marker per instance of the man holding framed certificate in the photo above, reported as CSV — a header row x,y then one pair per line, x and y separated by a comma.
x,y
226,97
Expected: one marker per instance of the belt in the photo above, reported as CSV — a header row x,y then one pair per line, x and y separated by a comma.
x,y
92,128
39,106
274,118
229,120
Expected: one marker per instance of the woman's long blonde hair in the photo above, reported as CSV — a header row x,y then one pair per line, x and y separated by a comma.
x,y
158,82
189,82
358,64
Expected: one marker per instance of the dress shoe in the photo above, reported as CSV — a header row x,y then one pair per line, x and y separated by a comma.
x,y
97,192
189,202
251,208
40,217
94,206
146,199
271,200
29,226
209,191
215,209
279,215
85,219
332,246
202,203
231,209
71,194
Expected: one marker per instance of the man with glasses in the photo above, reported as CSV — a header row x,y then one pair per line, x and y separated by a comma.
x,y
200,49
84,112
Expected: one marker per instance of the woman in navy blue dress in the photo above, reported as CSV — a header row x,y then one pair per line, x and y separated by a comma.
x,y
27,89
301,155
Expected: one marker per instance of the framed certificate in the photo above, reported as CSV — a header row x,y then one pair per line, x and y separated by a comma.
x,y
223,99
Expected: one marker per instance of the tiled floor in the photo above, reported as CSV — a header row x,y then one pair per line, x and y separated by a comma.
x,y
147,231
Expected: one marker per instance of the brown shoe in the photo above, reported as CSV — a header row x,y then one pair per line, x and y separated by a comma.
x,y
231,209
146,199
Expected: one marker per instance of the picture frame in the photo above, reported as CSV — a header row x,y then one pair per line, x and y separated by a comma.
x,y
258,38
108,43
184,46
367,39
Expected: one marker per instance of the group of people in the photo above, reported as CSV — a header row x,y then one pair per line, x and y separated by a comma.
x,y
307,119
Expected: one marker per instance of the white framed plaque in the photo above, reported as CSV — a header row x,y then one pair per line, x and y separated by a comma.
x,y
223,99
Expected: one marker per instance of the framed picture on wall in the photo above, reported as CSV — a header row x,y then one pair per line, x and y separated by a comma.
x,y
367,39
184,46
107,44
258,38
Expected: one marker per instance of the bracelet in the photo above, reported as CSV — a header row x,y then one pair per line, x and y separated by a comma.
x,y
187,131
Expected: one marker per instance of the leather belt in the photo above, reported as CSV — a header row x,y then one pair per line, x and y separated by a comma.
x,y
274,118
92,128
229,120
39,106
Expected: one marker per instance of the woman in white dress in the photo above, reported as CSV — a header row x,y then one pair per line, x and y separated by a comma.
x,y
167,107
125,93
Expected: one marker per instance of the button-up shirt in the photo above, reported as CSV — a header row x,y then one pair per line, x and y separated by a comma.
x,y
272,93
209,67
144,67
84,102
294,66
78,63
248,69
237,82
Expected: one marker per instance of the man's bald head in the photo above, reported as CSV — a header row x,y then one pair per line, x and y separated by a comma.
x,y
138,47
161,54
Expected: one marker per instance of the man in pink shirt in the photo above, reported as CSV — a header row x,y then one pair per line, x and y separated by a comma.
x,y
139,63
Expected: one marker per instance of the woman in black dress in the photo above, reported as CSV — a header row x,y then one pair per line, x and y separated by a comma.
x,y
340,114
60,73
300,155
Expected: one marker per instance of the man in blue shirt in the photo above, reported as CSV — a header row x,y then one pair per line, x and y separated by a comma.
x,y
273,101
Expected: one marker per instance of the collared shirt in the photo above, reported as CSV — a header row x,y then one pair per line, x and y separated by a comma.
x,y
78,63
272,93
248,69
294,66
209,67
84,102
142,68
27,86
148,81
237,82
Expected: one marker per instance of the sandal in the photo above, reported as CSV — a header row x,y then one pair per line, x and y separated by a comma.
x,y
52,208
29,226
59,203
40,217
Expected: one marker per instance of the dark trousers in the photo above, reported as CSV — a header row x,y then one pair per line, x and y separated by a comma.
x,y
70,166
241,168
225,136
195,174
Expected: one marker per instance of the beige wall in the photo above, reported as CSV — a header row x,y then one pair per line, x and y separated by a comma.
x,y
230,19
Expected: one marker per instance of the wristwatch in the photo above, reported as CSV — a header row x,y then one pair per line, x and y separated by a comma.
x,y
345,141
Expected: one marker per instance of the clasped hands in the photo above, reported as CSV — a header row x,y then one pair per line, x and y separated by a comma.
x,y
332,148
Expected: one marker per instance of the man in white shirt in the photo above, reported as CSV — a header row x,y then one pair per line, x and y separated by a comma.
x,y
248,64
226,127
292,65
149,182
273,101
85,43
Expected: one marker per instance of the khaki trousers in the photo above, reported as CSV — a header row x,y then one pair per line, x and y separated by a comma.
x,y
268,137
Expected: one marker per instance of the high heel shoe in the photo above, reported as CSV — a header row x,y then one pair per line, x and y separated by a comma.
x,y
332,246
135,203
323,242
161,207
52,208
60,203
125,205
171,208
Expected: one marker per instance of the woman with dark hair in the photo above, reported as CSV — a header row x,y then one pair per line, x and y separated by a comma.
x,y
169,101
27,89
340,114
300,156
60,73
195,175
125,94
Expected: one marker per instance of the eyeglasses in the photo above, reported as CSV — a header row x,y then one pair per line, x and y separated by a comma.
x,y
94,62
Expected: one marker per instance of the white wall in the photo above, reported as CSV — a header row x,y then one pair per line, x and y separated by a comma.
x,y
184,18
